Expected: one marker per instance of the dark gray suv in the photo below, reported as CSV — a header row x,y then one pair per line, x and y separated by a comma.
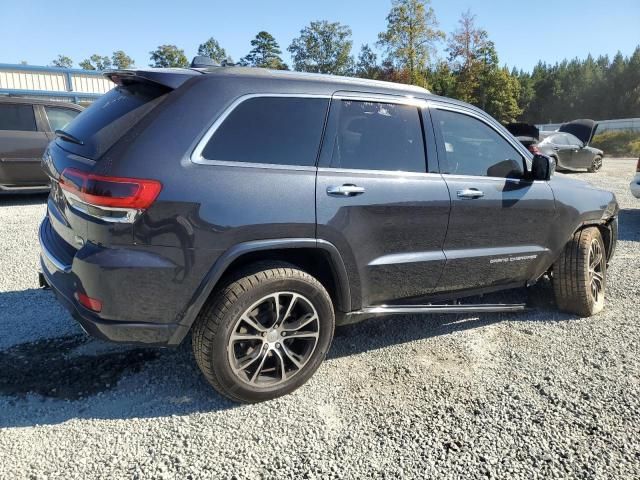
x,y
258,209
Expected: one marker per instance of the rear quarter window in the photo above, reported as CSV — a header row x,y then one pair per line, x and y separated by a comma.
x,y
59,117
270,130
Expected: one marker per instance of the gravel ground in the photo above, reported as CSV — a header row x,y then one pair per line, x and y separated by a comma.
x,y
533,395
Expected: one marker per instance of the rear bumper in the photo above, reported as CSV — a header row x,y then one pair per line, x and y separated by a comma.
x,y
31,189
58,273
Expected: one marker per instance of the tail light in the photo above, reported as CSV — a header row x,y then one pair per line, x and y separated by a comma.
x,y
115,199
638,166
91,303
534,149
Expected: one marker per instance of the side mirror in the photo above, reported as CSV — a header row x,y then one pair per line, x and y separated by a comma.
x,y
542,167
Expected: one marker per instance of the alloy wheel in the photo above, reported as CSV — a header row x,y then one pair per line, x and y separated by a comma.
x,y
596,270
274,339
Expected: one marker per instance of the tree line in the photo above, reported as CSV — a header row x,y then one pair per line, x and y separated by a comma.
x,y
463,64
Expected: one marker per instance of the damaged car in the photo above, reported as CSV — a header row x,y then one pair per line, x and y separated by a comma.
x,y
569,146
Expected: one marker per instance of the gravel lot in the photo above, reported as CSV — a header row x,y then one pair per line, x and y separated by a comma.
x,y
533,395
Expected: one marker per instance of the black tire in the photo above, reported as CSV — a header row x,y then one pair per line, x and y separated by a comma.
x,y
215,351
596,164
572,277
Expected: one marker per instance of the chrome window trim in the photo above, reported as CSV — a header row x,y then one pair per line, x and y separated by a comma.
x,y
395,173
197,158
489,123
381,98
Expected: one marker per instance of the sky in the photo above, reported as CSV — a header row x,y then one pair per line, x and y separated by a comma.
x,y
524,32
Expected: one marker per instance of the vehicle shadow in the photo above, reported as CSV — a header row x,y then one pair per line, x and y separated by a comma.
x,y
55,379
23,199
629,224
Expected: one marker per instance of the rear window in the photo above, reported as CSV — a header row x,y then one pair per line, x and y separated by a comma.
x,y
273,130
101,125
16,116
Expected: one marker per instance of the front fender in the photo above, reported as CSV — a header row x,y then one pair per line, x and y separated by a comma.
x,y
580,204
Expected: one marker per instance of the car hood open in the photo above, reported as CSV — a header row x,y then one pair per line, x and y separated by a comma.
x,y
584,129
523,130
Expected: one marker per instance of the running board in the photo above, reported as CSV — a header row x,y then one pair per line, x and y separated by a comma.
x,y
435,309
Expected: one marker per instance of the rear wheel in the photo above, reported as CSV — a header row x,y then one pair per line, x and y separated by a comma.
x,y
264,334
596,164
579,275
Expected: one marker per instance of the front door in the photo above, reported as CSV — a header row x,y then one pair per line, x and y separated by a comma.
x,y
376,200
500,222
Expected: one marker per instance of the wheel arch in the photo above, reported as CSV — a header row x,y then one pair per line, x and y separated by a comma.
x,y
308,254
608,230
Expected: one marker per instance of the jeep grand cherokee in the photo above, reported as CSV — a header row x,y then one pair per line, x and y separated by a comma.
x,y
258,209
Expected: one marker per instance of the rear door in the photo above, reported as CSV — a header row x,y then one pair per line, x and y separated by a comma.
x,y
563,149
500,221
22,144
581,157
377,200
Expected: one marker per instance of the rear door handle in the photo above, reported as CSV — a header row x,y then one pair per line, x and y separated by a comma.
x,y
346,190
470,193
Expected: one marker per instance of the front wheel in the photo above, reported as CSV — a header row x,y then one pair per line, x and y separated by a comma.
x,y
579,275
265,334
596,164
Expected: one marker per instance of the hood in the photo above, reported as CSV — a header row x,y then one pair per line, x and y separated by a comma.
x,y
523,130
583,129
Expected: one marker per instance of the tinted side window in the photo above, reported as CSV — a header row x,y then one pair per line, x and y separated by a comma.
x,y
377,136
275,130
59,117
473,148
15,116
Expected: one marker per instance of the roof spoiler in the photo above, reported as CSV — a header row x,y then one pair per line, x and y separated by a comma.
x,y
167,77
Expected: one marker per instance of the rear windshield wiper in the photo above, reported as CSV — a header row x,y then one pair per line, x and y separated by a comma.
x,y
68,137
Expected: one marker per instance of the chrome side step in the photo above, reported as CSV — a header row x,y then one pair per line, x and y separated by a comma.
x,y
435,309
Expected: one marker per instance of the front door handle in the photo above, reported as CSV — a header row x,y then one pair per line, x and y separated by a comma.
x,y
346,190
470,193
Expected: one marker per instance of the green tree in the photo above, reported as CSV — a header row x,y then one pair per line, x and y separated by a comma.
x,y
62,62
441,80
121,60
478,78
501,92
96,62
411,36
166,56
212,49
471,55
265,53
323,47
367,65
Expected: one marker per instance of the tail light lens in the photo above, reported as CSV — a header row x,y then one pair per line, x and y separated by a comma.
x,y
111,192
534,149
91,303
